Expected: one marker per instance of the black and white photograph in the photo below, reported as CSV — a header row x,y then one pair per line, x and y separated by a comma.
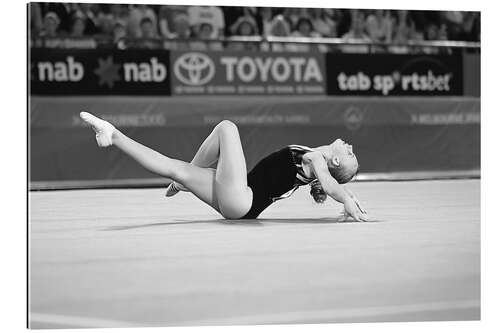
x,y
214,165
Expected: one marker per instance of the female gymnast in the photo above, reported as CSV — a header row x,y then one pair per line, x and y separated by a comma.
x,y
228,188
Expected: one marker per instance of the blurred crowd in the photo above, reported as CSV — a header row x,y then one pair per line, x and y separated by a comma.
x,y
201,27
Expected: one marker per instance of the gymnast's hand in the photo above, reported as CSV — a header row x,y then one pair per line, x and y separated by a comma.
x,y
352,209
358,203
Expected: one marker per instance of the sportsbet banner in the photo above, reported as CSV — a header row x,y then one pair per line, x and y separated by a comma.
x,y
262,73
99,72
394,74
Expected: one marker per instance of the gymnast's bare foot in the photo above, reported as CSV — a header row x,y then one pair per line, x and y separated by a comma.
x,y
103,129
174,188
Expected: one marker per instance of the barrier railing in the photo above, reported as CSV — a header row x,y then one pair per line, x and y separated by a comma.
x,y
342,41
328,44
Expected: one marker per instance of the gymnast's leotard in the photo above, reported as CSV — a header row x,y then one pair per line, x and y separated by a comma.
x,y
276,177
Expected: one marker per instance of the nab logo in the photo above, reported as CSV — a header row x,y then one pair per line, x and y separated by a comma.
x,y
60,71
152,71
194,69
108,71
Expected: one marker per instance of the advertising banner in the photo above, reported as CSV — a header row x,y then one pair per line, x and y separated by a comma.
x,y
389,134
230,73
99,72
394,75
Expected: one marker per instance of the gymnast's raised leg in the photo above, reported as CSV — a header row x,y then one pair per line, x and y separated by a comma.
x,y
208,153
224,188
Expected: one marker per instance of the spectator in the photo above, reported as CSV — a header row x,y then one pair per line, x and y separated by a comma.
x,y
70,18
166,18
245,26
415,34
78,39
181,27
64,12
105,25
265,15
50,30
356,34
470,27
454,21
136,14
205,31
431,32
147,28
148,35
50,25
293,14
203,15
232,14
304,28
36,19
443,32
402,26
322,22
205,35
251,12
78,25
379,26
405,32
180,32
279,28
90,12
357,31
119,34
119,13
402,30
424,18
344,20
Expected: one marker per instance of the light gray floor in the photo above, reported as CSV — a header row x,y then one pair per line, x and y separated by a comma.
x,y
117,258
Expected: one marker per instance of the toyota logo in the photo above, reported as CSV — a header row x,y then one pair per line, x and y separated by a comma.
x,y
194,68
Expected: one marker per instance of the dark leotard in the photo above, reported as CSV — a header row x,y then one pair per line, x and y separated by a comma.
x,y
276,177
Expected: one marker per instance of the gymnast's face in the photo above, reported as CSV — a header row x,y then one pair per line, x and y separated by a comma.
x,y
343,157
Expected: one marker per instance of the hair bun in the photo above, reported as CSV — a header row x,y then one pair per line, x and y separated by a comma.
x,y
317,192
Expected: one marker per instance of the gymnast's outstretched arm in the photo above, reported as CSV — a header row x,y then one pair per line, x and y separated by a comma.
x,y
334,189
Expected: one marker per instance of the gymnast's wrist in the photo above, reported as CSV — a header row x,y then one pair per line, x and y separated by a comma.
x,y
344,197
